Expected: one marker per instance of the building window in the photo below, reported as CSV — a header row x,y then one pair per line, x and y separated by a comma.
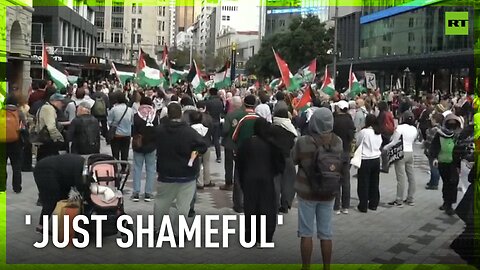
x,y
163,11
117,22
100,36
228,18
282,23
139,8
117,37
134,8
139,38
159,40
139,23
133,23
99,22
410,22
163,26
411,36
117,7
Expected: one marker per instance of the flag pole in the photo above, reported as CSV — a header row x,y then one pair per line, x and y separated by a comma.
x,y
433,83
391,82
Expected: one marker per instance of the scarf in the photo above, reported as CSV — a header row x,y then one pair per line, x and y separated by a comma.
x,y
147,113
286,124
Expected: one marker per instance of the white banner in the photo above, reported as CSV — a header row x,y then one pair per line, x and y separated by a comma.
x,y
370,80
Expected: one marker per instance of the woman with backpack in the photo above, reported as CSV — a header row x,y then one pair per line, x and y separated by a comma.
x,y
407,133
369,172
120,119
143,144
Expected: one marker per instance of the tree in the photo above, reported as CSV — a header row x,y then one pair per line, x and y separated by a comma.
x,y
181,58
213,62
306,39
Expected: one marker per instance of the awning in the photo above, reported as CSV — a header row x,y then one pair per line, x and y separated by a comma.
x,y
18,56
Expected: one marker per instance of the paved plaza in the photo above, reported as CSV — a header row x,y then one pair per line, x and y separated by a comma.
x,y
419,234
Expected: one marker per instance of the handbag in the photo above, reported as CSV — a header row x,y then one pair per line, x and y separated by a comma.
x,y
357,156
113,128
137,141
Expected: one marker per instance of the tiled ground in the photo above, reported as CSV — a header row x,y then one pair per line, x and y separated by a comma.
x,y
414,235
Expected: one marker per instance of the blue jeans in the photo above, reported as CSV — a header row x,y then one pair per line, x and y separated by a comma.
x,y
150,166
434,174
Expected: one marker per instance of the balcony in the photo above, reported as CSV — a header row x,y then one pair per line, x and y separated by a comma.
x,y
110,45
36,49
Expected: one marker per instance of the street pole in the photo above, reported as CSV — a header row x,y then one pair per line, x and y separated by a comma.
x,y
233,62
191,48
451,82
433,83
131,47
391,82
335,40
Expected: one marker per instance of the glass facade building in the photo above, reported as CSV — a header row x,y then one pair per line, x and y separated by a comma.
x,y
420,31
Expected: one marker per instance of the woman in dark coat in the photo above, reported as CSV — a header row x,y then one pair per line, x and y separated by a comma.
x,y
259,161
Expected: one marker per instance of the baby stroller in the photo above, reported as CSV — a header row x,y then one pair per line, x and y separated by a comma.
x,y
106,191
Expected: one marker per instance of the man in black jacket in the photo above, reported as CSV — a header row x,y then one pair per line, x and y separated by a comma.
x,y
177,148
84,132
216,110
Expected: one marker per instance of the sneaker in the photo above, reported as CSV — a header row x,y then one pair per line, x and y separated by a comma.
x,y
442,208
431,187
147,197
283,210
337,212
450,211
135,197
410,203
395,203
39,229
200,187
191,213
211,184
344,211
219,160
226,187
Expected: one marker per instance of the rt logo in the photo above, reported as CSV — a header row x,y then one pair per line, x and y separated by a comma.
x,y
456,23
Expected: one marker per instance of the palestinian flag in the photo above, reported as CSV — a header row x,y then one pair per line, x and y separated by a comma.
x,y
354,87
148,71
122,75
55,70
306,100
309,71
328,86
195,78
222,77
292,83
176,73
274,83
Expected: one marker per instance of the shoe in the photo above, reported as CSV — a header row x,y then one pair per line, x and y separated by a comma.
x,y
409,203
200,187
431,187
147,197
191,213
39,203
219,160
344,211
135,197
361,210
372,208
211,184
238,210
17,191
442,208
283,210
39,229
226,187
395,203
337,212
450,211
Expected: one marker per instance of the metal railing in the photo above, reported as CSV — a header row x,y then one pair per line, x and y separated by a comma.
x,y
36,49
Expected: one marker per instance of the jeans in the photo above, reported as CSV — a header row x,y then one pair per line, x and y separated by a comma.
x,y
434,174
104,126
228,166
311,211
404,169
120,146
450,177
150,166
181,193
343,197
216,131
13,151
368,181
285,192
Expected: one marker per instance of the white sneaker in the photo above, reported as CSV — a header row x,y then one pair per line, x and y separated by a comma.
x,y
345,211
337,212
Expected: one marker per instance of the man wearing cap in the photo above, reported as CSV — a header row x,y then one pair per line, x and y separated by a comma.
x,y
344,128
84,132
47,118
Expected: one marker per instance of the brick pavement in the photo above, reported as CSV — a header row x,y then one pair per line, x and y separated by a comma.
x,y
390,235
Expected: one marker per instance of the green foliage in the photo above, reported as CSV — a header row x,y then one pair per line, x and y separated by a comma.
x,y
306,39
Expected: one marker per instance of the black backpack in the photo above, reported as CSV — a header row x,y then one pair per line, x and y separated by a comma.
x,y
89,142
326,170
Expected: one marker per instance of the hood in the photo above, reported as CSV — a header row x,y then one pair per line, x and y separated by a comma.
x,y
174,126
452,116
189,108
201,129
321,121
147,113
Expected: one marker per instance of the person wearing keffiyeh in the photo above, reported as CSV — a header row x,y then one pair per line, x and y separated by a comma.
x,y
144,146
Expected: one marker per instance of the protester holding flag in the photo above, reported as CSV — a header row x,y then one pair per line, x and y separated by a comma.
x,y
120,117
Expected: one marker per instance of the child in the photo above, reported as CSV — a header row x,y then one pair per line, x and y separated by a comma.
x,y
436,123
